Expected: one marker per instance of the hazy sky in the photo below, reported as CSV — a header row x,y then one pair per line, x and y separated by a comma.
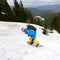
x,y
36,2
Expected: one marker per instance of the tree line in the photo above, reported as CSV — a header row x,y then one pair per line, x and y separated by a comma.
x,y
16,13
55,24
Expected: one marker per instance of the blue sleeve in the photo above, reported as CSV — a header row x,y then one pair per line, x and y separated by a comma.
x,y
30,33
27,32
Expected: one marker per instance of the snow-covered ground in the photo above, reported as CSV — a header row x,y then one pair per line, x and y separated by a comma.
x,y
13,43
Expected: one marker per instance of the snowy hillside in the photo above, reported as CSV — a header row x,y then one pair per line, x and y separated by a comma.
x,y
13,44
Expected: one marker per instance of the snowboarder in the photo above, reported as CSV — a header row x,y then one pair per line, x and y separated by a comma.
x,y
31,32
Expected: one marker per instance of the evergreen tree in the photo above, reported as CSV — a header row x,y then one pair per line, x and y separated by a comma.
x,y
1,5
56,22
24,15
0,11
6,8
17,9
0,8
29,16
5,11
47,24
1,2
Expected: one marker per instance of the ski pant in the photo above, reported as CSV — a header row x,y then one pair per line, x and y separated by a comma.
x,y
33,41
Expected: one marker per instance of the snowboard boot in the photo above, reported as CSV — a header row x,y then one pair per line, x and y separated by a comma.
x,y
31,42
37,45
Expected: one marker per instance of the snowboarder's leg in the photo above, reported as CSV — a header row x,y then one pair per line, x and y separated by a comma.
x,y
36,42
31,40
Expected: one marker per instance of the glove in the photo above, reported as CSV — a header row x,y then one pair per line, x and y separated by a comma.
x,y
23,29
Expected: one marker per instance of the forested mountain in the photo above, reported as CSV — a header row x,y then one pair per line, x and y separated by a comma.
x,y
46,10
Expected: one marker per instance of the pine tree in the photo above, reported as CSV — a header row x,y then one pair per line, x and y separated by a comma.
x,y
0,8
6,9
56,22
0,12
17,9
46,23
29,16
17,12
46,26
1,3
24,15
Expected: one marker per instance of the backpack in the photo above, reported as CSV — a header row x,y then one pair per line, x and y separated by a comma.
x,y
31,27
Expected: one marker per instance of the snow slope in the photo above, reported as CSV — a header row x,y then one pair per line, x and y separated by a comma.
x,y
13,43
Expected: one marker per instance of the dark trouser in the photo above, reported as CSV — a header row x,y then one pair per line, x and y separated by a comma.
x,y
32,41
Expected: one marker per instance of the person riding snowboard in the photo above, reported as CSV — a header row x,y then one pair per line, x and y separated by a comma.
x,y
31,32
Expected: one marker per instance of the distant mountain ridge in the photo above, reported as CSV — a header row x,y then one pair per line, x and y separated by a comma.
x,y
55,7
45,11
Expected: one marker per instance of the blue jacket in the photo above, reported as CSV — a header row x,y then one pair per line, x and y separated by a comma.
x,y
30,33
